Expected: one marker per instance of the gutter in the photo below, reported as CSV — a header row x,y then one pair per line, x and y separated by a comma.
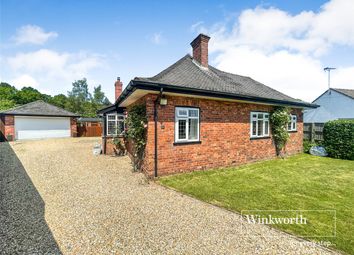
x,y
134,85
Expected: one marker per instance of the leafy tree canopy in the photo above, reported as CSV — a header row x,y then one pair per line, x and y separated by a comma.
x,y
59,100
79,99
6,104
28,94
99,96
7,91
80,91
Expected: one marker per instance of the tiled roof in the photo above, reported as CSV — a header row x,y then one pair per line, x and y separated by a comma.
x,y
88,119
347,92
187,73
39,108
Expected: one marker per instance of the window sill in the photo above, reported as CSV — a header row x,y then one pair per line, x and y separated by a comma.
x,y
186,143
258,138
113,136
292,131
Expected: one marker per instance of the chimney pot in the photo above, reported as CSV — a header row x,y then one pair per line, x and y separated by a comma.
x,y
200,49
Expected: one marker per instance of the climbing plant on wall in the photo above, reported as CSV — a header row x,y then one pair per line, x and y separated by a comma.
x,y
136,132
279,120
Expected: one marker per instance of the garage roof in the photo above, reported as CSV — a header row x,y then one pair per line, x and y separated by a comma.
x,y
39,108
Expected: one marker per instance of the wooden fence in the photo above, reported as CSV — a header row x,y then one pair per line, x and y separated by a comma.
x,y
89,131
313,131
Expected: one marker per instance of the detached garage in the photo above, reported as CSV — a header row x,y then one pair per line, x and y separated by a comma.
x,y
37,120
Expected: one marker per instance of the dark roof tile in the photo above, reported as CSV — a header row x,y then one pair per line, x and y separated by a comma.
x,y
347,92
187,73
39,108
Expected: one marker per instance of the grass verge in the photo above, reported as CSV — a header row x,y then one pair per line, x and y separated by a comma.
x,y
301,182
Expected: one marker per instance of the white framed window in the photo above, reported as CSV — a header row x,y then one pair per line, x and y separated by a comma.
x,y
186,124
259,124
115,124
292,123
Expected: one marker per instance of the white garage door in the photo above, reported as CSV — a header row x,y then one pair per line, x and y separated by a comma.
x,y
28,127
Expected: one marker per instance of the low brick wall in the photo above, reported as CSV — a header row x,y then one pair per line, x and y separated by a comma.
x,y
110,147
73,127
2,128
7,128
224,135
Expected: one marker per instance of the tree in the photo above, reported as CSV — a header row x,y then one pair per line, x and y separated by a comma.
x,y
80,90
80,101
6,104
28,94
59,100
78,97
99,97
7,91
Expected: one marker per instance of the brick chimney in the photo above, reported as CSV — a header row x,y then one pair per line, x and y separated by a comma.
x,y
200,49
118,86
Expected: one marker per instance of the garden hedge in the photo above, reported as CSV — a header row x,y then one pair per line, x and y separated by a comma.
x,y
339,139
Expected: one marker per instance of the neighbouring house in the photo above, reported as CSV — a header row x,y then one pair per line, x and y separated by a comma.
x,y
334,104
113,121
200,117
37,120
89,127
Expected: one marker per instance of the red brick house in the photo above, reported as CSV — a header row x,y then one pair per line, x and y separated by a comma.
x,y
36,120
200,117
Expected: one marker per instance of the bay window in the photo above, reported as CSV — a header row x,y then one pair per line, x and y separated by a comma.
x,y
115,124
186,124
259,124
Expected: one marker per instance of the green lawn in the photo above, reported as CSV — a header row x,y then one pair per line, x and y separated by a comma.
x,y
301,182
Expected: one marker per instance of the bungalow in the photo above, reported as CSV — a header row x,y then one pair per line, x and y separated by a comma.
x,y
200,117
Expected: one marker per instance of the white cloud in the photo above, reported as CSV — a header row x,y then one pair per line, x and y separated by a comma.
x,y
33,34
283,50
196,25
335,23
24,80
157,38
292,74
53,70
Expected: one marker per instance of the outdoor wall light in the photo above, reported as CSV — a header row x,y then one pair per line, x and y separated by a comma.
x,y
163,101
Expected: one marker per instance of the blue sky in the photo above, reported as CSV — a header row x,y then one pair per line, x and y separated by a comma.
x,y
49,44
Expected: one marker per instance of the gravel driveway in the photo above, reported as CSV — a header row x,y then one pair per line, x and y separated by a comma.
x,y
57,198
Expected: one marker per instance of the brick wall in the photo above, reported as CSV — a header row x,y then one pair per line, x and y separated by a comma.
x,y
200,49
110,147
2,128
224,134
8,127
73,127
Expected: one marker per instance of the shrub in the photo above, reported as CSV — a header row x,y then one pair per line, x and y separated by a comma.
x,y
119,146
339,139
307,145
